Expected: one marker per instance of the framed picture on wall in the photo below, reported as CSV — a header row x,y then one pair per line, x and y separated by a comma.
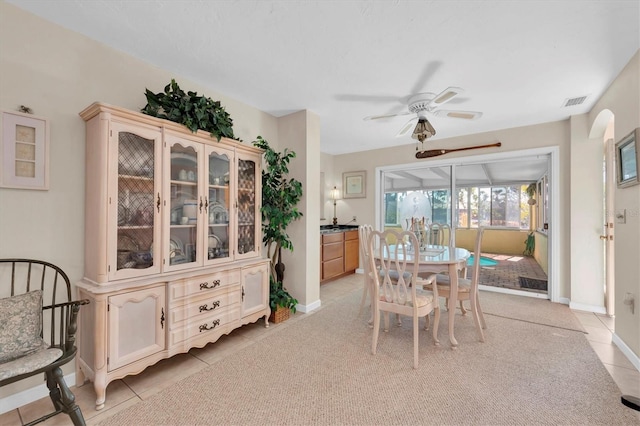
x,y
25,151
627,159
354,184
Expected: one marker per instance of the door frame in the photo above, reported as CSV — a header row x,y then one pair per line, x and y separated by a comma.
x,y
554,235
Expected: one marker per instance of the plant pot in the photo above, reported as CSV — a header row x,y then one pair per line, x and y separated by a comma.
x,y
532,201
279,315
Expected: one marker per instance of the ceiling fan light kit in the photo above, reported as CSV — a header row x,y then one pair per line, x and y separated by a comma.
x,y
423,130
422,104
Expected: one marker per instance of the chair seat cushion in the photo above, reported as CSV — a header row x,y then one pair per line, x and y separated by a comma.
x,y
422,299
444,283
21,319
41,357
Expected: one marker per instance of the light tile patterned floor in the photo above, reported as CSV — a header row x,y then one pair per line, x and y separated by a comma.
x,y
133,389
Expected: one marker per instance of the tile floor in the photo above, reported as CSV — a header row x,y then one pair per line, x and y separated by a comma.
x,y
508,270
130,390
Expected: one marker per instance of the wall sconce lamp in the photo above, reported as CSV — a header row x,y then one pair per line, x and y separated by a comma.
x,y
334,195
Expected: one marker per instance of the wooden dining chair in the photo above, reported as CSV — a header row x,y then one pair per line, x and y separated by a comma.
x,y
364,231
467,288
400,296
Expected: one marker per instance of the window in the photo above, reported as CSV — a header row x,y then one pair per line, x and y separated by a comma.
x,y
391,217
500,205
493,206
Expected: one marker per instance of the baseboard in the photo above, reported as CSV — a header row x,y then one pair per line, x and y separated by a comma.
x,y
588,308
27,396
308,308
626,350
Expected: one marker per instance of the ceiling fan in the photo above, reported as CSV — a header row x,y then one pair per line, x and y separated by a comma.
x,y
421,105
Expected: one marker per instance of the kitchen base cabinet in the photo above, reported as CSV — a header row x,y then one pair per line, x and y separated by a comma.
x,y
340,254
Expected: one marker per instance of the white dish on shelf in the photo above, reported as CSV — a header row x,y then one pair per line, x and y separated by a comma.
x,y
176,248
214,241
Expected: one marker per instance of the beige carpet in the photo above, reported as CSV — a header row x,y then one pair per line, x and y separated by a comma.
x,y
319,370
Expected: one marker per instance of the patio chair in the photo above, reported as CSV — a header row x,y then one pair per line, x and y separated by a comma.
x,y
36,339
467,288
400,296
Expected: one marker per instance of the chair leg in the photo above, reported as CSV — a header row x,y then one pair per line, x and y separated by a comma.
x,y
480,314
62,396
464,311
376,331
365,294
474,313
436,323
415,341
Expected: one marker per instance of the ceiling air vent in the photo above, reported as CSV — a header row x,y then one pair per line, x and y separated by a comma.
x,y
574,101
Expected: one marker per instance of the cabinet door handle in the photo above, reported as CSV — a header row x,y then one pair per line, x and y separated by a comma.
x,y
200,204
205,326
206,204
158,203
162,318
204,308
206,286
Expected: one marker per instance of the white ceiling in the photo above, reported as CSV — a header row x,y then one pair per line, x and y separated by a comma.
x,y
518,61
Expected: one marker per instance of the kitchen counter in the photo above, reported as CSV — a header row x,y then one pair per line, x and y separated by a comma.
x,y
331,229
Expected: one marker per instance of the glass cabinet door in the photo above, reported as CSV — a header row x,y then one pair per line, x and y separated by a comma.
x,y
185,204
218,202
248,214
138,202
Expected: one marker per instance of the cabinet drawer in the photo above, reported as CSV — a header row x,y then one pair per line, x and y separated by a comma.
x,y
332,268
351,235
201,306
332,238
203,284
332,251
207,324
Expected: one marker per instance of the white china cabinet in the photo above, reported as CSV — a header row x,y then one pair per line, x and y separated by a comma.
x,y
172,242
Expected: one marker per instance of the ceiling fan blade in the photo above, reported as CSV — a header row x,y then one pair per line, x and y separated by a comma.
x,y
407,127
467,115
377,117
446,95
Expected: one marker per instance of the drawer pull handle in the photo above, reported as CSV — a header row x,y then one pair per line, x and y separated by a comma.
x,y
204,308
205,286
205,327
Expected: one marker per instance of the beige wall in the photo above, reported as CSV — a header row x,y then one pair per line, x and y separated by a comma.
x,y
57,73
623,99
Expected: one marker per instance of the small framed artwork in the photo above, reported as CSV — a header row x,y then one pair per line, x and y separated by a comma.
x,y
25,151
627,159
354,184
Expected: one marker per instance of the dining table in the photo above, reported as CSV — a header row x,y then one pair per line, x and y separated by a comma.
x,y
437,259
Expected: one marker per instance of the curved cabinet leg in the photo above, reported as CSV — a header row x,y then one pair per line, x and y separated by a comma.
x,y
100,386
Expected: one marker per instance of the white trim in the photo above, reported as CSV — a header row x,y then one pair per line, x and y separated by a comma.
x,y
564,300
19,399
554,234
626,350
305,309
588,308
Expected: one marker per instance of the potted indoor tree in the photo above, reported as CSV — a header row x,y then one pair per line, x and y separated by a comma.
x,y
280,196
